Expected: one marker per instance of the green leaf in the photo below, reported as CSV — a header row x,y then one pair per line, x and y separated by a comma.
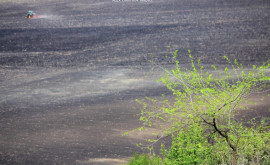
x,y
125,133
226,70
175,53
213,66
140,128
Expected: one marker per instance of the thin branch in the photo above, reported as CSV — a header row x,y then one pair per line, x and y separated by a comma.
x,y
207,121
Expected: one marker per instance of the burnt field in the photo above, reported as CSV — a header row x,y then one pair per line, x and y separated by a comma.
x,y
69,78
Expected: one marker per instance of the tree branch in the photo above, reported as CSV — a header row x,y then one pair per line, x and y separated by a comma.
x,y
223,134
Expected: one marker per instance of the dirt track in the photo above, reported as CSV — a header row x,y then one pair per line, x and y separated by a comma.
x,y
68,80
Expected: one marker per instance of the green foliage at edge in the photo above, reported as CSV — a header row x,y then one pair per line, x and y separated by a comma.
x,y
144,159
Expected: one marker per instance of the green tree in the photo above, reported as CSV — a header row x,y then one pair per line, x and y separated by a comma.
x,y
207,101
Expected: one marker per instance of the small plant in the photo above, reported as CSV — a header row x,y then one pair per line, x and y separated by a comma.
x,y
144,159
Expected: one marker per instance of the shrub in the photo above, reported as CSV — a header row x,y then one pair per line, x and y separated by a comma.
x,y
203,108
189,147
144,159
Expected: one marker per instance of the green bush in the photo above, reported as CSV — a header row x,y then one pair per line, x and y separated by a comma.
x,y
144,159
189,147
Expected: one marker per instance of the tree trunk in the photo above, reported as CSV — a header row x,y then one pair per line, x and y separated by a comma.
x,y
234,154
